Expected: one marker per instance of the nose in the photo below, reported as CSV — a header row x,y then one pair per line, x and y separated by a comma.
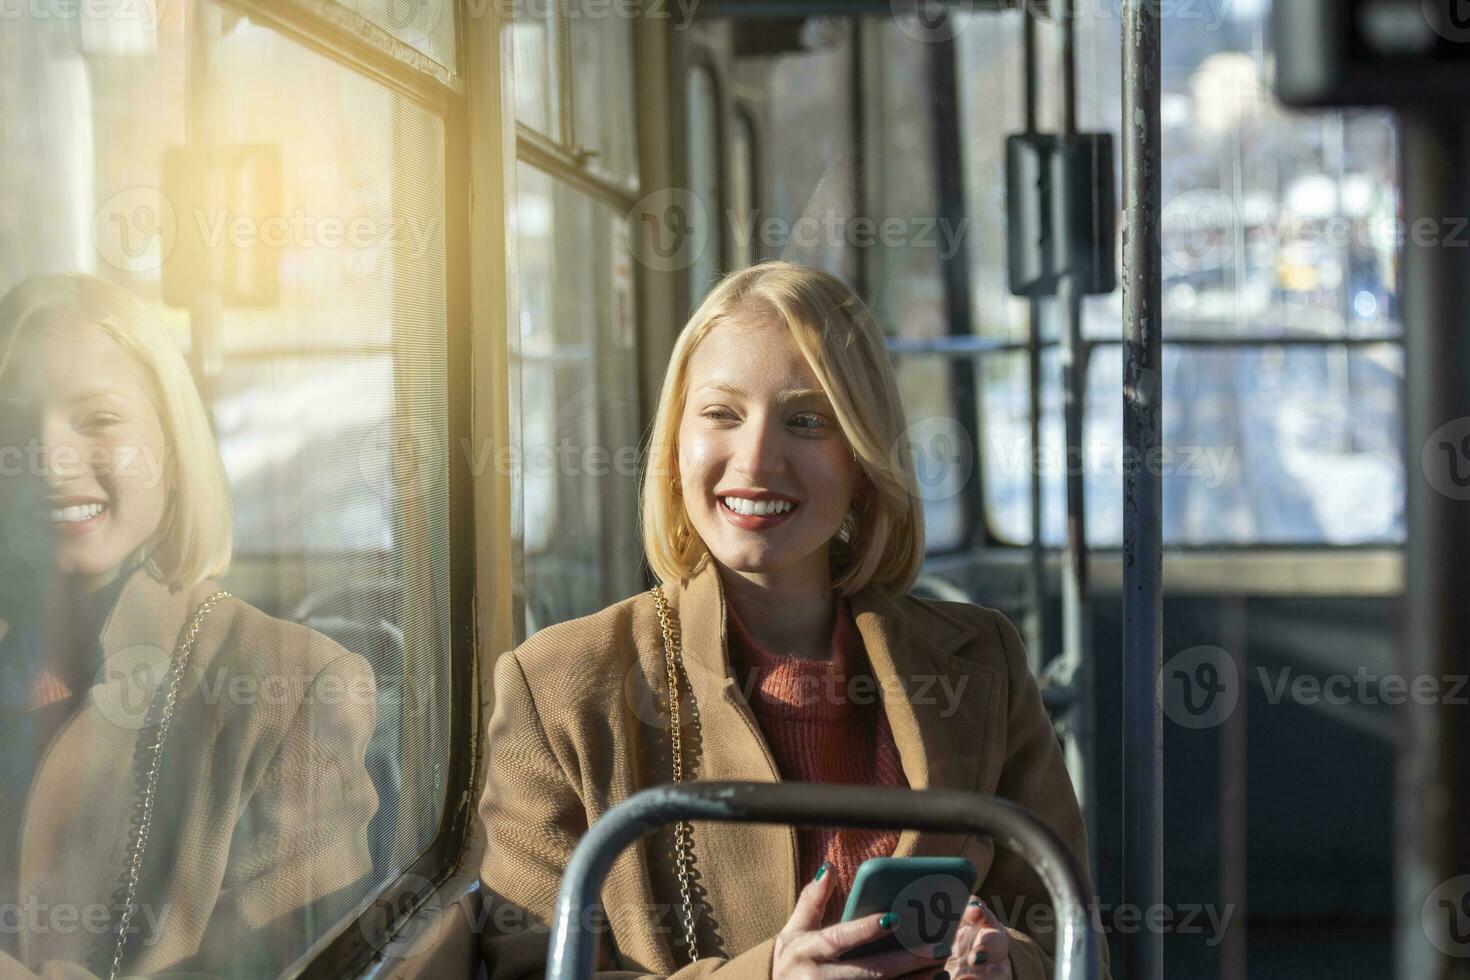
x,y
62,453
759,451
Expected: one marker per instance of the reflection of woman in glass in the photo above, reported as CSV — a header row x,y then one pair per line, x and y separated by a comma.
x,y
182,780
782,514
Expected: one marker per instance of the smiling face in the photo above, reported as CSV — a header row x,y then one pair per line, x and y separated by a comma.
x,y
84,482
767,474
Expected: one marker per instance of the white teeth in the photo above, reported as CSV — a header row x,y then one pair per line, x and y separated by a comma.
x,y
75,514
757,508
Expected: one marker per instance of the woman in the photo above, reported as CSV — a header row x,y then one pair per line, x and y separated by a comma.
x,y
183,776
781,514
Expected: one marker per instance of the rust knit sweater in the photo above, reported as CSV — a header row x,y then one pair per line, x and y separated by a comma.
x,y
822,730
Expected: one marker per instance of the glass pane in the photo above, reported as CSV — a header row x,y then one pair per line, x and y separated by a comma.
x,y
907,285
578,472
809,128
1257,443
602,78
703,161
945,469
743,170
263,240
537,68
991,69
425,25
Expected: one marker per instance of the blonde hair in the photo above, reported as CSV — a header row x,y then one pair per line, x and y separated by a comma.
x,y
882,543
195,539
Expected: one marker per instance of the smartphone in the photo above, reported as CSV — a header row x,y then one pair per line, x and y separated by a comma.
x,y
928,894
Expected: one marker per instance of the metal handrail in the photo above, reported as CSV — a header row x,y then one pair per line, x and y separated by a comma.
x,y
574,946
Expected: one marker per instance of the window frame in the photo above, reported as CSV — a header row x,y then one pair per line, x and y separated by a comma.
x,y
993,541
352,41
698,56
743,113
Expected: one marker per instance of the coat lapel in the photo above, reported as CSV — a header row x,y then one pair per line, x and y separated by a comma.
x,y
939,706
87,782
748,870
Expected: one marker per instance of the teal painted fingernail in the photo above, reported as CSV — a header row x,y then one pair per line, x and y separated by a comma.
x,y
981,957
821,871
974,903
888,921
941,951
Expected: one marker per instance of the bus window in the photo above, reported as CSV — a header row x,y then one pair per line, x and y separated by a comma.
x,y
877,223
744,202
702,108
256,267
602,83
576,476
427,27
538,68
1277,226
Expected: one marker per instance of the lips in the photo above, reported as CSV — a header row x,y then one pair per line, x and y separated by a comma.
x,y
754,522
71,516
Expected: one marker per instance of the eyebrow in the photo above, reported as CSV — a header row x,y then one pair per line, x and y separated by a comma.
x,y
789,395
14,404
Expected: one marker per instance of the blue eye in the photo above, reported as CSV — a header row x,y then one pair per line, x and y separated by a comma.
x,y
809,421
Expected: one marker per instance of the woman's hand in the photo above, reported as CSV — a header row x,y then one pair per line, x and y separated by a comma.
x,y
982,948
806,951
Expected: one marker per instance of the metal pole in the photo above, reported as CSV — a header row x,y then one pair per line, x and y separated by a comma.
x,y
954,269
1433,782
1076,588
1035,624
573,952
1143,569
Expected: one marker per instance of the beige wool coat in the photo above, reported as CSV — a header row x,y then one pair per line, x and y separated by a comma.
x,y
580,724
262,803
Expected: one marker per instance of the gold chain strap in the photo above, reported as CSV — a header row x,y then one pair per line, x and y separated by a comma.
x,y
683,832
140,839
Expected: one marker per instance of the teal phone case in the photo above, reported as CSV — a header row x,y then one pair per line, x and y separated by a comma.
x,y
927,893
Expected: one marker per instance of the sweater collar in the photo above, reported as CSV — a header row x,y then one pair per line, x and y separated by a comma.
x,y
909,645
792,687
